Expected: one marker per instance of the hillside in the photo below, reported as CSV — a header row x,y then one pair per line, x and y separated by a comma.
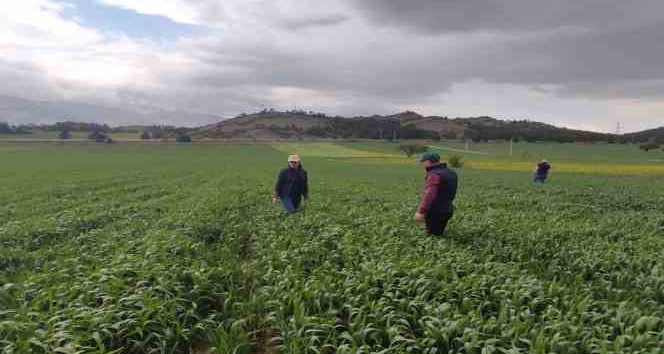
x,y
264,125
656,135
405,125
294,124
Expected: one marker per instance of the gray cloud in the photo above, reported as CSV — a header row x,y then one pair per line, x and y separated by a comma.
x,y
438,16
23,79
371,56
321,21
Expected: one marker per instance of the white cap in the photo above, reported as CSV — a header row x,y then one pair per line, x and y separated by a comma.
x,y
293,158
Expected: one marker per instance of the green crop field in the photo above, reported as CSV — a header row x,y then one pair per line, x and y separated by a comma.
x,y
177,248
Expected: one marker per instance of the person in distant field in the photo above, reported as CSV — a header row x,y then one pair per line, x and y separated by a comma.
x,y
541,171
292,185
436,207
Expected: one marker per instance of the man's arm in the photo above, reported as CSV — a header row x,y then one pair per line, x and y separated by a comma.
x,y
305,190
430,193
280,180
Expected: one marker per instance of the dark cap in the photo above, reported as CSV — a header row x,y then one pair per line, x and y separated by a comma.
x,y
430,156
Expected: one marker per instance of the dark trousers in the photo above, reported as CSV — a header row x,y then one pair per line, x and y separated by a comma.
x,y
539,178
437,222
291,204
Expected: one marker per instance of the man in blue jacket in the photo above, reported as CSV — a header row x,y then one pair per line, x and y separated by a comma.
x,y
541,171
292,185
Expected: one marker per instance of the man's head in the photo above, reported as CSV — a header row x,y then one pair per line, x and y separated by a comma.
x,y
293,161
429,159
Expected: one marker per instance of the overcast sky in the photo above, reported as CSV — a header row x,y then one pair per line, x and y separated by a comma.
x,y
578,63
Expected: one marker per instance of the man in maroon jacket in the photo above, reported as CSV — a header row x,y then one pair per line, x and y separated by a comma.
x,y
436,207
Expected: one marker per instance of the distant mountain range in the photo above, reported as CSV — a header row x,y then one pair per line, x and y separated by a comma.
x,y
271,124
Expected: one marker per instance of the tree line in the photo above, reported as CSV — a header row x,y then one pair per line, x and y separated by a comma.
x,y
476,129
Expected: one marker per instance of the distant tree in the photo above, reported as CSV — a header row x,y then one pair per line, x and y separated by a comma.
x,y
22,129
98,136
651,145
64,134
316,131
5,128
410,149
157,133
182,137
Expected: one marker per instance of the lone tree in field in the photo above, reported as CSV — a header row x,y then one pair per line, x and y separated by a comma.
x,y
651,145
64,134
410,149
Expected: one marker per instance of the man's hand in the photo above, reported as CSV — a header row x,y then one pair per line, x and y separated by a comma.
x,y
275,199
419,217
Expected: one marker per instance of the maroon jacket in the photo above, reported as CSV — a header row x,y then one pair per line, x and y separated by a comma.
x,y
439,191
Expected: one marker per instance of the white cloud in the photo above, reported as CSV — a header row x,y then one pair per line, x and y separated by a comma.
x,y
38,23
70,59
290,14
177,10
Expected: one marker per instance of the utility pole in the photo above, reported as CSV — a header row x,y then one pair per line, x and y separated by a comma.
x,y
618,128
511,146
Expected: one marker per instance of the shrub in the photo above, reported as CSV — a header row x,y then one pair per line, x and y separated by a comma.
x,y
182,138
455,161
651,145
98,136
64,135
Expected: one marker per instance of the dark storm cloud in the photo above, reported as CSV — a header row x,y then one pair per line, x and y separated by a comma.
x,y
594,48
511,15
